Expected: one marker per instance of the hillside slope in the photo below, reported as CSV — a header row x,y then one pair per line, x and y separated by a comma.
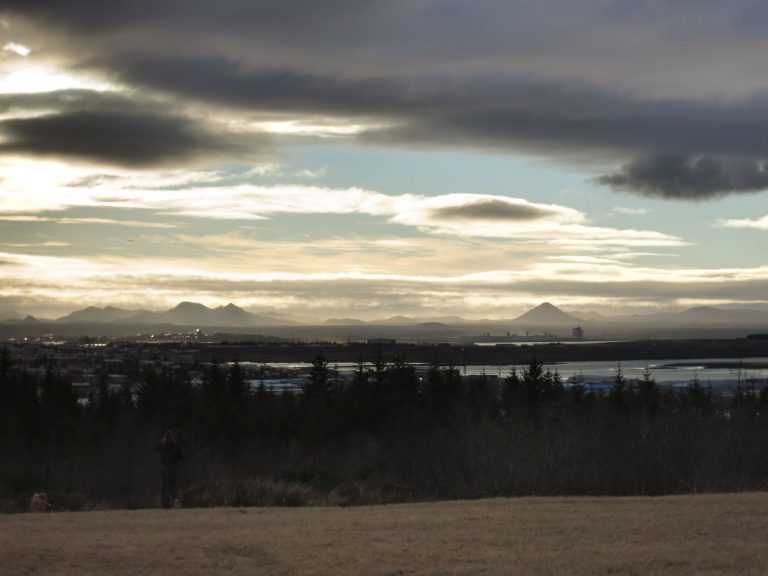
x,y
703,534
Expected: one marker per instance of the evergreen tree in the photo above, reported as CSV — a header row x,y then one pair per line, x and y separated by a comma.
x,y
648,395
511,392
318,385
618,393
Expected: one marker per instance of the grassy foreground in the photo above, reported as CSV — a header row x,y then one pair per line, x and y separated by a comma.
x,y
702,534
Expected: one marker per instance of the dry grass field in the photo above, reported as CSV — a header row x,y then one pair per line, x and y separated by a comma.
x,y
703,534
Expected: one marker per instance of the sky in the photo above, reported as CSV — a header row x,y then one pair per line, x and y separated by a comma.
x,y
367,158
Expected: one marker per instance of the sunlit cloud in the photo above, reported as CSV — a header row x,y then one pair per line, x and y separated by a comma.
x,y
633,255
626,210
35,78
197,195
85,220
115,222
307,128
16,48
73,282
46,244
759,223
593,238
352,253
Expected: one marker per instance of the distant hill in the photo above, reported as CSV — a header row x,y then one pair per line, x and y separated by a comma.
x,y
431,325
710,315
196,314
94,314
697,316
546,314
700,321
704,310
589,316
183,314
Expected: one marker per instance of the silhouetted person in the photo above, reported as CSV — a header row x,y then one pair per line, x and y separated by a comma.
x,y
170,456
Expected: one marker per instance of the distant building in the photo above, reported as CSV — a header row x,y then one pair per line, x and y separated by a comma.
x,y
577,333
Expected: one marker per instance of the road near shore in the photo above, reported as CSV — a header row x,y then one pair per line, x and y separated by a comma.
x,y
701,534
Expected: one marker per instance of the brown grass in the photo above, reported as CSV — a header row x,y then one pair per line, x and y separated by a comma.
x,y
702,534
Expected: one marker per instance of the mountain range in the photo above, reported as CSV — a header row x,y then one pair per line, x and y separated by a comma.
x,y
545,316
183,314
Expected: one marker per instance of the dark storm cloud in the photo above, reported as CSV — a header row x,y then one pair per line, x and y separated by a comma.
x,y
224,82
510,112
429,31
570,122
685,177
125,138
560,79
114,129
491,210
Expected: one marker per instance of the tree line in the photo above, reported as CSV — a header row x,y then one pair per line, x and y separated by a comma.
x,y
388,433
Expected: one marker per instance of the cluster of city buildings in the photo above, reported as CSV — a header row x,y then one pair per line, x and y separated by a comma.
x,y
122,366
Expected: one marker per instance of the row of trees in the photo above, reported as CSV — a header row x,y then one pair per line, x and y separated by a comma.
x,y
388,433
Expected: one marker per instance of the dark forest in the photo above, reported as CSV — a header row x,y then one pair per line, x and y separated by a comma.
x,y
388,434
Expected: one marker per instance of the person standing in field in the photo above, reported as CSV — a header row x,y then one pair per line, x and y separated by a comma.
x,y
170,456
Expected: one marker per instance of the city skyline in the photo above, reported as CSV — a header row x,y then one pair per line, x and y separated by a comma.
x,y
362,159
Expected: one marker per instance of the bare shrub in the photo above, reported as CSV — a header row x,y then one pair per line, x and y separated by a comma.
x,y
250,492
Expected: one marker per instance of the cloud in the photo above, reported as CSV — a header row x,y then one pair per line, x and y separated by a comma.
x,y
46,244
488,216
402,36
491,209
549,117
759,223
629,211
684,177
445,73
133,139
483,215
722,143
115,128
114,222
18,49
465,215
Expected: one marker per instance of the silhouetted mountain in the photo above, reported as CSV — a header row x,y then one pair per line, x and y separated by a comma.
x,y
700,316
546,314
589,316
196,314
231,315
183,314
94,314
30,320
704,310
431,325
